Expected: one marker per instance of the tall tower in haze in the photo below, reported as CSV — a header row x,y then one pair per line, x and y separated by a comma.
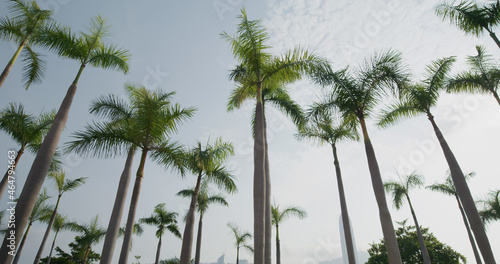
x,y
342,242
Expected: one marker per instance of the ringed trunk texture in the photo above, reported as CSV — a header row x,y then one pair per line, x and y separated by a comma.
x,y
187,238
378,188
21,246
259,185
343,207
5,179
198,241
47,232
278,247
465,197
129,228
421,241
158,250
52,248
39,169
469,233
116,215
268,216
7,69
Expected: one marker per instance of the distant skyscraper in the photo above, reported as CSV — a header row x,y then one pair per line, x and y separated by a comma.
x,y
220,260
342,242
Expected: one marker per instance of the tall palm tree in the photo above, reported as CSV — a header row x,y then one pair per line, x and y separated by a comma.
x,y
119,115
448,188
483,77
278,217
27,130
41,212
63,185
163,220
207,163
323,130
258,69
400,191
355,97
471,18
90,233
240,240
419,99
491,209
88,48
205,199
137,230
27,21
60,223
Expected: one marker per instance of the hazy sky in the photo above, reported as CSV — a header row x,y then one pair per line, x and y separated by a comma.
x,y
175,45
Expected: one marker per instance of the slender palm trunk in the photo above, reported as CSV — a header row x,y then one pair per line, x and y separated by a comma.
x,y
116,215
495,94
343,207
52,247
469,232
259,184
268,216
198,241
465,196
237,254
86,255
129,227
187,238
158,250
278,247
5,179
21,246
390,240
39,170
7,69
47,231
421,241
494,37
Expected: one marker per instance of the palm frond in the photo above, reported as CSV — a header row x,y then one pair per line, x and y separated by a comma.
x,y
11,30
34,67
466,15
398,192
397,112
110,57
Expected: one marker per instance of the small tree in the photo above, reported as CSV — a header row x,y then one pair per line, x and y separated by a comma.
x,y
241,240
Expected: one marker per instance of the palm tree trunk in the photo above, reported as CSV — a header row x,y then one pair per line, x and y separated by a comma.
x,y
21,246
268,223
5,179
116,215
495,94
187,237
198,241
129,228
259,184
343,207
39,170
465,196
47,232
278,247
423,248
7,69
494,37
86,255
469,232
378,188
237,254
158,250
52,248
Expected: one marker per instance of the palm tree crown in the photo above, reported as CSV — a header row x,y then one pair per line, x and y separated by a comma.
x,y
491,207
163,220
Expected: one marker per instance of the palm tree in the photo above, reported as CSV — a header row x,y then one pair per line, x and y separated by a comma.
x,y
323,130
241,240
205,198
419,99
471,18
449,189
90,233
278,217
88,48
483,77
355,97
63,185
119,115
60,223
26,23
400,192
163,220
27,130
256,71
207,163
137,230
491,209
41,212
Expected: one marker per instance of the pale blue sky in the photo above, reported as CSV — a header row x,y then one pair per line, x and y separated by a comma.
x,y
176,45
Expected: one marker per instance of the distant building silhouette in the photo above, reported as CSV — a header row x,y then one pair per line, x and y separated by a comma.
x,y
343,244
220,260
